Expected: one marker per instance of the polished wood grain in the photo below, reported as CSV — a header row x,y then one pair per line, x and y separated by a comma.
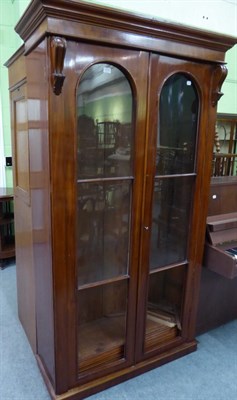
x,y
66,313
39,148
63,150
58,50
223,195
17,72
222,222
23,219
217,302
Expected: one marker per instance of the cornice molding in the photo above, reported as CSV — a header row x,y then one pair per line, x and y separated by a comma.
x,y
15,56
107,17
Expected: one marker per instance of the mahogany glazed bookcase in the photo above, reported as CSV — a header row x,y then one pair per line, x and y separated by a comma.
x,y
113,123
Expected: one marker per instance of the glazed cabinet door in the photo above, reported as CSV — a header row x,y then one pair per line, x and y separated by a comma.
x,y
173,228
105,190
130,149
100,153
108,192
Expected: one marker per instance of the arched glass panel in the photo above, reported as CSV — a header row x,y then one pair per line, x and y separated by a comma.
x,y
104,187
176,136
172,202
172,196
104,109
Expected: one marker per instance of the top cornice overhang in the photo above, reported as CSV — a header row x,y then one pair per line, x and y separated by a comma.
x,y
41,13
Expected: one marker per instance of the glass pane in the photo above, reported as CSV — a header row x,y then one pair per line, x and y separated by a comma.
x,y
105,144
104,110
165,294
102,325
176,136
103,230
170,220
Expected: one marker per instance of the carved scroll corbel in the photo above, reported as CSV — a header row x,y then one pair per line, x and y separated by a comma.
x,y
219,76
58,51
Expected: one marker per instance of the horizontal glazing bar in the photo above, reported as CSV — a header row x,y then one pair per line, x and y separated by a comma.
x,y
175,176
103,282
170,266
110,179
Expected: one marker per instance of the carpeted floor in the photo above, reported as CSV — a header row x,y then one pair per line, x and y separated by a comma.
x,y
208,374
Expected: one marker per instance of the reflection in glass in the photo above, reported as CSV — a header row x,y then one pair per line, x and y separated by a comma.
x,y
103,230
178,117
102,324
104,109
165,294
104,181
170,220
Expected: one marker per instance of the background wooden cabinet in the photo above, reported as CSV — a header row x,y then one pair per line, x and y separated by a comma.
x,y
112,174
218,294
225,149
7,234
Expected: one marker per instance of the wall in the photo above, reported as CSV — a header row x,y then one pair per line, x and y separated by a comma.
x,y
8,44
213,15
228,102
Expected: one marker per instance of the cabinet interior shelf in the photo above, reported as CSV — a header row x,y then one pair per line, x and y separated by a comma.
x,y
102,341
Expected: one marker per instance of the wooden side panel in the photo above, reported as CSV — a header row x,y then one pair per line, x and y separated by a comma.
x,y
21,143
23,219
32,203
37,91
25,271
